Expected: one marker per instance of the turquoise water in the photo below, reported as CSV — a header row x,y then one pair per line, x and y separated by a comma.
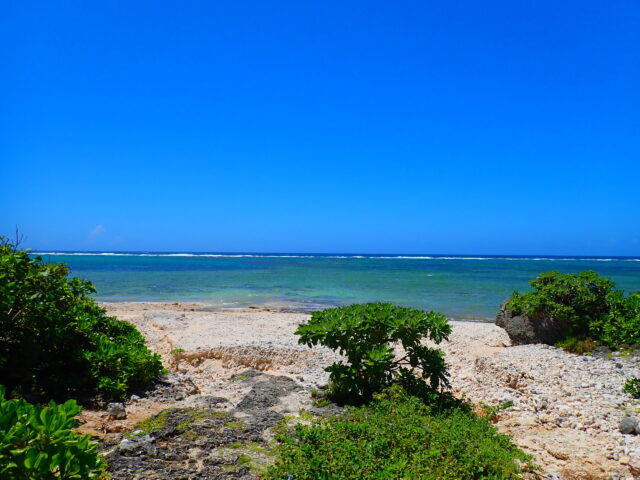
x,y
460,287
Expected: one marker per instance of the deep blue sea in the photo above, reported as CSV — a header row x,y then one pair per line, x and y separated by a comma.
x,y
459,286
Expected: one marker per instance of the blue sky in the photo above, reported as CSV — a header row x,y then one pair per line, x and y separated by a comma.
x,y
416,127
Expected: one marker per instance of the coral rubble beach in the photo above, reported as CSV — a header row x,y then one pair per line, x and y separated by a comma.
x,y
566,408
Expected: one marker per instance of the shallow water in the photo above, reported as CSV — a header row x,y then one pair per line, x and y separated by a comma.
x,y
460,287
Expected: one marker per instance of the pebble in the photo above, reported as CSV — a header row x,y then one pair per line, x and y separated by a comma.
x,y
117,411
628,425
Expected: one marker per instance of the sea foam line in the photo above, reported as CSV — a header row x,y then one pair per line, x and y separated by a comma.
x,y
370,257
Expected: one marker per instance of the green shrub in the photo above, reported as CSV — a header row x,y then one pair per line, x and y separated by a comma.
x,y
578,346
621,326
397,436
38,443
632,387
575,299
588,305
365,334
55,341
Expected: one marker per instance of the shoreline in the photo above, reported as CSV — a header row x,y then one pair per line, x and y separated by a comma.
x,y
275,307
566,408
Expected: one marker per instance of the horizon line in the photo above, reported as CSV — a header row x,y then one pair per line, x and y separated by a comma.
x,y
327,254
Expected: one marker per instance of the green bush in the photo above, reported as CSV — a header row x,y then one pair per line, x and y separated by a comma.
x,y
575,299
37,443
621,326
365,334
632,387
56,342
397,436
588,305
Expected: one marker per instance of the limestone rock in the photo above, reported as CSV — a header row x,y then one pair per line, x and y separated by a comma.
x,y
523,329
629,425
117,411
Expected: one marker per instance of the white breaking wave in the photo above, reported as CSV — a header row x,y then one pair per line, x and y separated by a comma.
x,y
371,257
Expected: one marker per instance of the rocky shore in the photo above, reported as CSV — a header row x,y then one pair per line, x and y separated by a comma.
x,y
209,439
237,374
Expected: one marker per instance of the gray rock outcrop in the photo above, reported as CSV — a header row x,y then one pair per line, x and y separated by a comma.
x,y
523,329
207,442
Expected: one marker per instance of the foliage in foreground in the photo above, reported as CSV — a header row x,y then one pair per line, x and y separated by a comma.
x,y
55,341
588,305
397,437
38,443
632,387
365,334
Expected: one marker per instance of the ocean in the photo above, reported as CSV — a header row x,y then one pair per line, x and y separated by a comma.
x,y
469,287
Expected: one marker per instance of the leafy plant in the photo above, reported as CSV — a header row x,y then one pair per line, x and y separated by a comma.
x,y
38,442
397,436
621,326
632,387
579,346
365,334
492,412
55,341
589,307
576,299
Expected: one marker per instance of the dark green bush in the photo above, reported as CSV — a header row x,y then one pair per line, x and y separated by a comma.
x,y
38,443
590,306
394,437
56,342
621,326
365,334
632,387
576,299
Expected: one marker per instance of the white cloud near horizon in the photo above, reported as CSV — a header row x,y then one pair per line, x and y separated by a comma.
x,y
96,232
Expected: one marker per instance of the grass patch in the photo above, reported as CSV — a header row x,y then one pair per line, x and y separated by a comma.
x,y
305,415
157,422
577,345
236,425
255,447
251,455
319,399
397,436
239,378
151,424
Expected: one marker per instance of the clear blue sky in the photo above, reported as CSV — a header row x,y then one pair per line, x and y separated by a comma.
x,y
410,127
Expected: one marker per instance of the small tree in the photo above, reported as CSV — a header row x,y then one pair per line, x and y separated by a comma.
x,y
365,334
